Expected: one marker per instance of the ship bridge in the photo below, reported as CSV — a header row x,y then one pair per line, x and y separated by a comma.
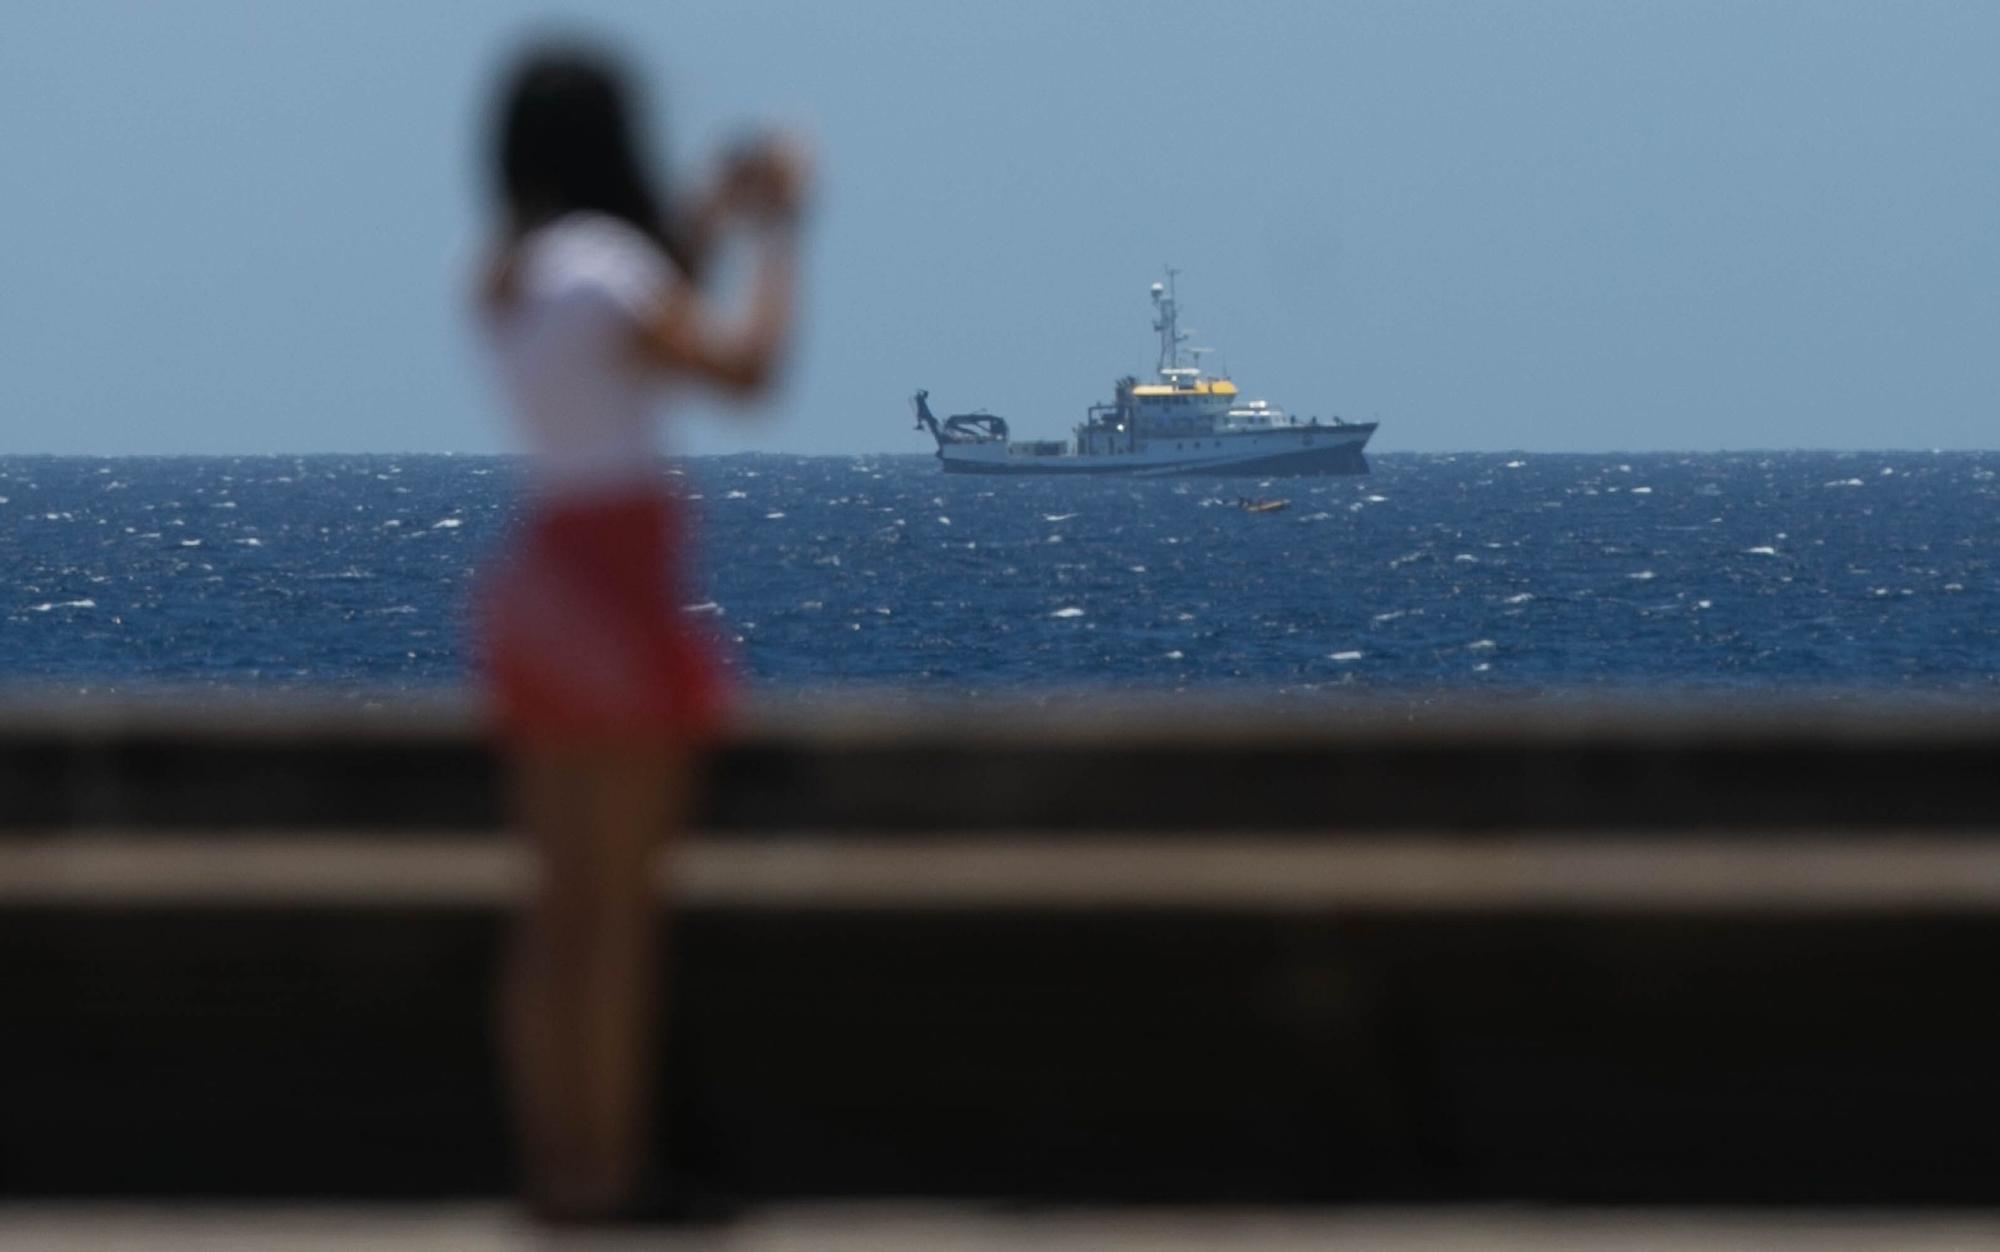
x,y
1184,402
1185,382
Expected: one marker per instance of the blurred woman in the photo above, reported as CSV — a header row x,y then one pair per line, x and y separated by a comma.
x,y
603,694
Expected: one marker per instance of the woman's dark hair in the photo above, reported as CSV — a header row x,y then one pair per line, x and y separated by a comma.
x,y
567,139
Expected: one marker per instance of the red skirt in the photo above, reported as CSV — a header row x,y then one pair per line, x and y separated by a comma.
x,y
583,638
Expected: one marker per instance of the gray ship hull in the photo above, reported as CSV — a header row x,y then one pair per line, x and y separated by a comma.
x,y
1342,458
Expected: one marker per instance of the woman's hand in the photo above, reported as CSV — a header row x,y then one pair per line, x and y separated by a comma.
x,y
767,180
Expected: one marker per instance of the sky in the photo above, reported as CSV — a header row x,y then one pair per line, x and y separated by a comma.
x,y
1552,226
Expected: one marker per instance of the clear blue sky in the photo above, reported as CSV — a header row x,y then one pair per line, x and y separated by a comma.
x,y
245,227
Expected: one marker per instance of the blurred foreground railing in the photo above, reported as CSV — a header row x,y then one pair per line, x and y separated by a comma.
x,y
1172,950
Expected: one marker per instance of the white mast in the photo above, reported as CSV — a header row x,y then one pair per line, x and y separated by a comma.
x,y
1166,320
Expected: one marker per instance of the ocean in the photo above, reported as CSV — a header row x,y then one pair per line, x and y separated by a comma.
x,y
1436,574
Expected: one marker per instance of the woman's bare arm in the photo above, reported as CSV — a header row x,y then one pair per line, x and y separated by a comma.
x,y
689,337
741,358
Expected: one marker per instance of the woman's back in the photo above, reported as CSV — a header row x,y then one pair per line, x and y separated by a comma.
x,y
565,333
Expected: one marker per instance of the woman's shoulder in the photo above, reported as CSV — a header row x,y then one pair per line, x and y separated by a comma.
x,y
586,236
589,252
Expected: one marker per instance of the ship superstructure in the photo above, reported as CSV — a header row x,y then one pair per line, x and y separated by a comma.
x,y
1182,422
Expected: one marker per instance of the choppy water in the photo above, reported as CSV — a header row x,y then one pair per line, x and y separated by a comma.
x,y
1508,572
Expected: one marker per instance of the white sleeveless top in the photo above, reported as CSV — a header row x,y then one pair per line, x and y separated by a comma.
x,y
583,399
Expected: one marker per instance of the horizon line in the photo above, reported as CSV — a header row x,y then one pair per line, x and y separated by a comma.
x,y
848,456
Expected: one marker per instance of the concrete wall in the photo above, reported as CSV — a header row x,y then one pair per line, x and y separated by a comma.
x,y
1581,954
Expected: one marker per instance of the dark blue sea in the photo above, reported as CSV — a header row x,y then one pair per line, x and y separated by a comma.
x,y
1516,573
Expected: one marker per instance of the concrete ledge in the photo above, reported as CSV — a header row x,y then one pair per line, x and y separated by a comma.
x,y
1406,874
919,1227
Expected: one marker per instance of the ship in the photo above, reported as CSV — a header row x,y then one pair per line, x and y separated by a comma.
x,y
1184,422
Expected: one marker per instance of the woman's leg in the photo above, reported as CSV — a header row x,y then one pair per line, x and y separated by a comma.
x,y
583,973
